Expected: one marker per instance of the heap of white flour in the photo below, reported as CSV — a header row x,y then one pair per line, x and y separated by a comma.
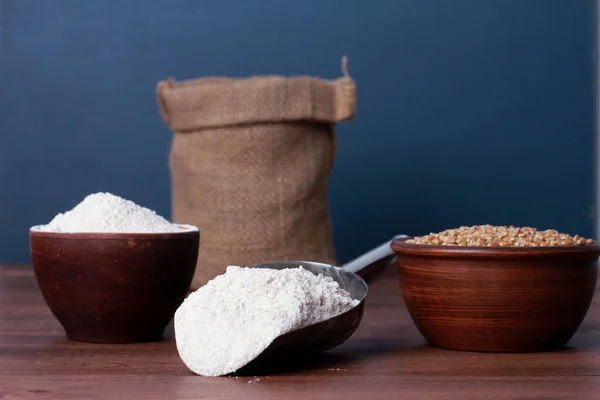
x,y
231,320
105,212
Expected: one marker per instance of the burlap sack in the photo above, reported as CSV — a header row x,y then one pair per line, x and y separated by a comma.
x,y
250,162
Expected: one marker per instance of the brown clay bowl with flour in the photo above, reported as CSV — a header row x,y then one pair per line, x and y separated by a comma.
x,y
497,299
114,287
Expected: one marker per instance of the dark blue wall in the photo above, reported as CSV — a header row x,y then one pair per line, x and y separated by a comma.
x,y
469,111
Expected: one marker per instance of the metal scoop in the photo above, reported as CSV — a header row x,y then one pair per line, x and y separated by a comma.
x,y
327,334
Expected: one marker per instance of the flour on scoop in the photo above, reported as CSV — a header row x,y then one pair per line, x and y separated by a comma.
x,y
231,320
105,212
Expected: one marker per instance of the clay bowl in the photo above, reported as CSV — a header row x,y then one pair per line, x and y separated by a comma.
x,y
497,299
114,287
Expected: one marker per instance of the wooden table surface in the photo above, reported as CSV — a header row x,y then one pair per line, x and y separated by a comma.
x,y
385,358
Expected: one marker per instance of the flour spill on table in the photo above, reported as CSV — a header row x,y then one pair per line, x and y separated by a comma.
x,y
232,319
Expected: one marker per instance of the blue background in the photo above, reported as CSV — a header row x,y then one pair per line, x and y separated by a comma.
x,y
469,111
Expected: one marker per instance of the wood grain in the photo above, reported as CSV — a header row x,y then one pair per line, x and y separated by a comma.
x,y
385,359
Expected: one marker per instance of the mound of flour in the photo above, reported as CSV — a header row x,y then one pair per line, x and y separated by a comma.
x,y
231,320
105,212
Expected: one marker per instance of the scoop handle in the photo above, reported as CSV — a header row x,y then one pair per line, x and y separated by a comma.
x,y
378,253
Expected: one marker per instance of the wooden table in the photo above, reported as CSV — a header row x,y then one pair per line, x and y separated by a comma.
x,y
386,358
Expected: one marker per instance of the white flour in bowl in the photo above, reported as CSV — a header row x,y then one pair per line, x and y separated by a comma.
x,y
105,212
231,320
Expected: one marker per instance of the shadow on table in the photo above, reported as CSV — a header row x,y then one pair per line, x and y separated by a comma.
x,y
359,351
284,365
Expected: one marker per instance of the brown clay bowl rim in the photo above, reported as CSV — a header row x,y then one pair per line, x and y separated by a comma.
x,y
399,246
189,232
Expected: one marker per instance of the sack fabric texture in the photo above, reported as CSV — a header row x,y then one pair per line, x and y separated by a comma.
x,y
250,163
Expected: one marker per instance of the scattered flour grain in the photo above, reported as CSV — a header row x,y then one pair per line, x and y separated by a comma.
x,y
105,212
231,320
